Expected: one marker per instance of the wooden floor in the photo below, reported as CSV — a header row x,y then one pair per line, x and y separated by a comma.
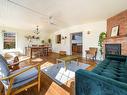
x,y
48,86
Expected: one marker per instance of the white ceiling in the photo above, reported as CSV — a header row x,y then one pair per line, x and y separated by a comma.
x,y
65,13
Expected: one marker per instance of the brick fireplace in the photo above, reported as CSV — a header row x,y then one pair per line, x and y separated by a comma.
x,y
121,21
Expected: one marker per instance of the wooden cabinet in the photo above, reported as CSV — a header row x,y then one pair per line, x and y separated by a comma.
x,y
79,48
76,48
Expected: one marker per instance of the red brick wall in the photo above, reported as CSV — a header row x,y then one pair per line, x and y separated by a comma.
x,y
120,20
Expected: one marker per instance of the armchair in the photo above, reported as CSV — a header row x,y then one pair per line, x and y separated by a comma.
x,y
91,53
20,79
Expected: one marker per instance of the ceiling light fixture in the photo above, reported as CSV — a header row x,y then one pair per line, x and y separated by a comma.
x,y
37,30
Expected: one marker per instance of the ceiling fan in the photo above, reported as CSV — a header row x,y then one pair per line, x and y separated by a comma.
x,y
51,20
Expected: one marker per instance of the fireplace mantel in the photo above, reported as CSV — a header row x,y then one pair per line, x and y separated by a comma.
x,y
115,37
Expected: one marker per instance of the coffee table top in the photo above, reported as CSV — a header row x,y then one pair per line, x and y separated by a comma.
x,y
68,58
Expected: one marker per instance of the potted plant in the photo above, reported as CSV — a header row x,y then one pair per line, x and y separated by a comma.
x,y
49,41
102,36
42,42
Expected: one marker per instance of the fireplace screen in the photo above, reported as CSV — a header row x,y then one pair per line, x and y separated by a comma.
x,y
113,49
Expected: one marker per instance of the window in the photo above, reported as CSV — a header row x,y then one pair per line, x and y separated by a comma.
x,y
9,40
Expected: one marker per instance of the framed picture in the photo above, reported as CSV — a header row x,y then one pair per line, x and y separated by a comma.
x,y
115,31
9,40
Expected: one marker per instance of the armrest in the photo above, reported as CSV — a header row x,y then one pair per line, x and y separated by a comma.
x,y
25,59
16,74
82,77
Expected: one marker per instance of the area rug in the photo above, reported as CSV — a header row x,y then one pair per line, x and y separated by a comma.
x,y
58,73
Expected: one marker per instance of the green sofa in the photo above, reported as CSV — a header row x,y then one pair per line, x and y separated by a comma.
x,y
109,77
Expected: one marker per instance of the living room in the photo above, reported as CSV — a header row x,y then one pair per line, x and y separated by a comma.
x,y
36,43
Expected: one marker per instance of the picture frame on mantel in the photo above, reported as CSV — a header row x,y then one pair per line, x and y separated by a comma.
x,y
115,31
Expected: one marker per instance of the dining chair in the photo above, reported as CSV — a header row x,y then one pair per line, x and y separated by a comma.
x,y
41,50
36,51
16,81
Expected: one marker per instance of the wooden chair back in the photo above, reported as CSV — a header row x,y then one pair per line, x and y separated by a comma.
x,y
92,50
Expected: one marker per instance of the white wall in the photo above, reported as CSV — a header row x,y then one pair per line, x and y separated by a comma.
x,y
20,38
90,40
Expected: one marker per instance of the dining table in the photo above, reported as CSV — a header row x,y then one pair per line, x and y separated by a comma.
x,y
40,49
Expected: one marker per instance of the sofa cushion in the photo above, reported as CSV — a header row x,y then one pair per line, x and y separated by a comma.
x,y
23,82
126,63
120,58
26,75
109,75
111,71
122,79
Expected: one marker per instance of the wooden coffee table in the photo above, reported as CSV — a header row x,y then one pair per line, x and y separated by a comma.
x,y
67,59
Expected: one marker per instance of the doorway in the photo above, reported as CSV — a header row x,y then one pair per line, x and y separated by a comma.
x,y
76,43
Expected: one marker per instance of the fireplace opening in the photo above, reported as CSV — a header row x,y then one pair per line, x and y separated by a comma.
x,y
113,49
